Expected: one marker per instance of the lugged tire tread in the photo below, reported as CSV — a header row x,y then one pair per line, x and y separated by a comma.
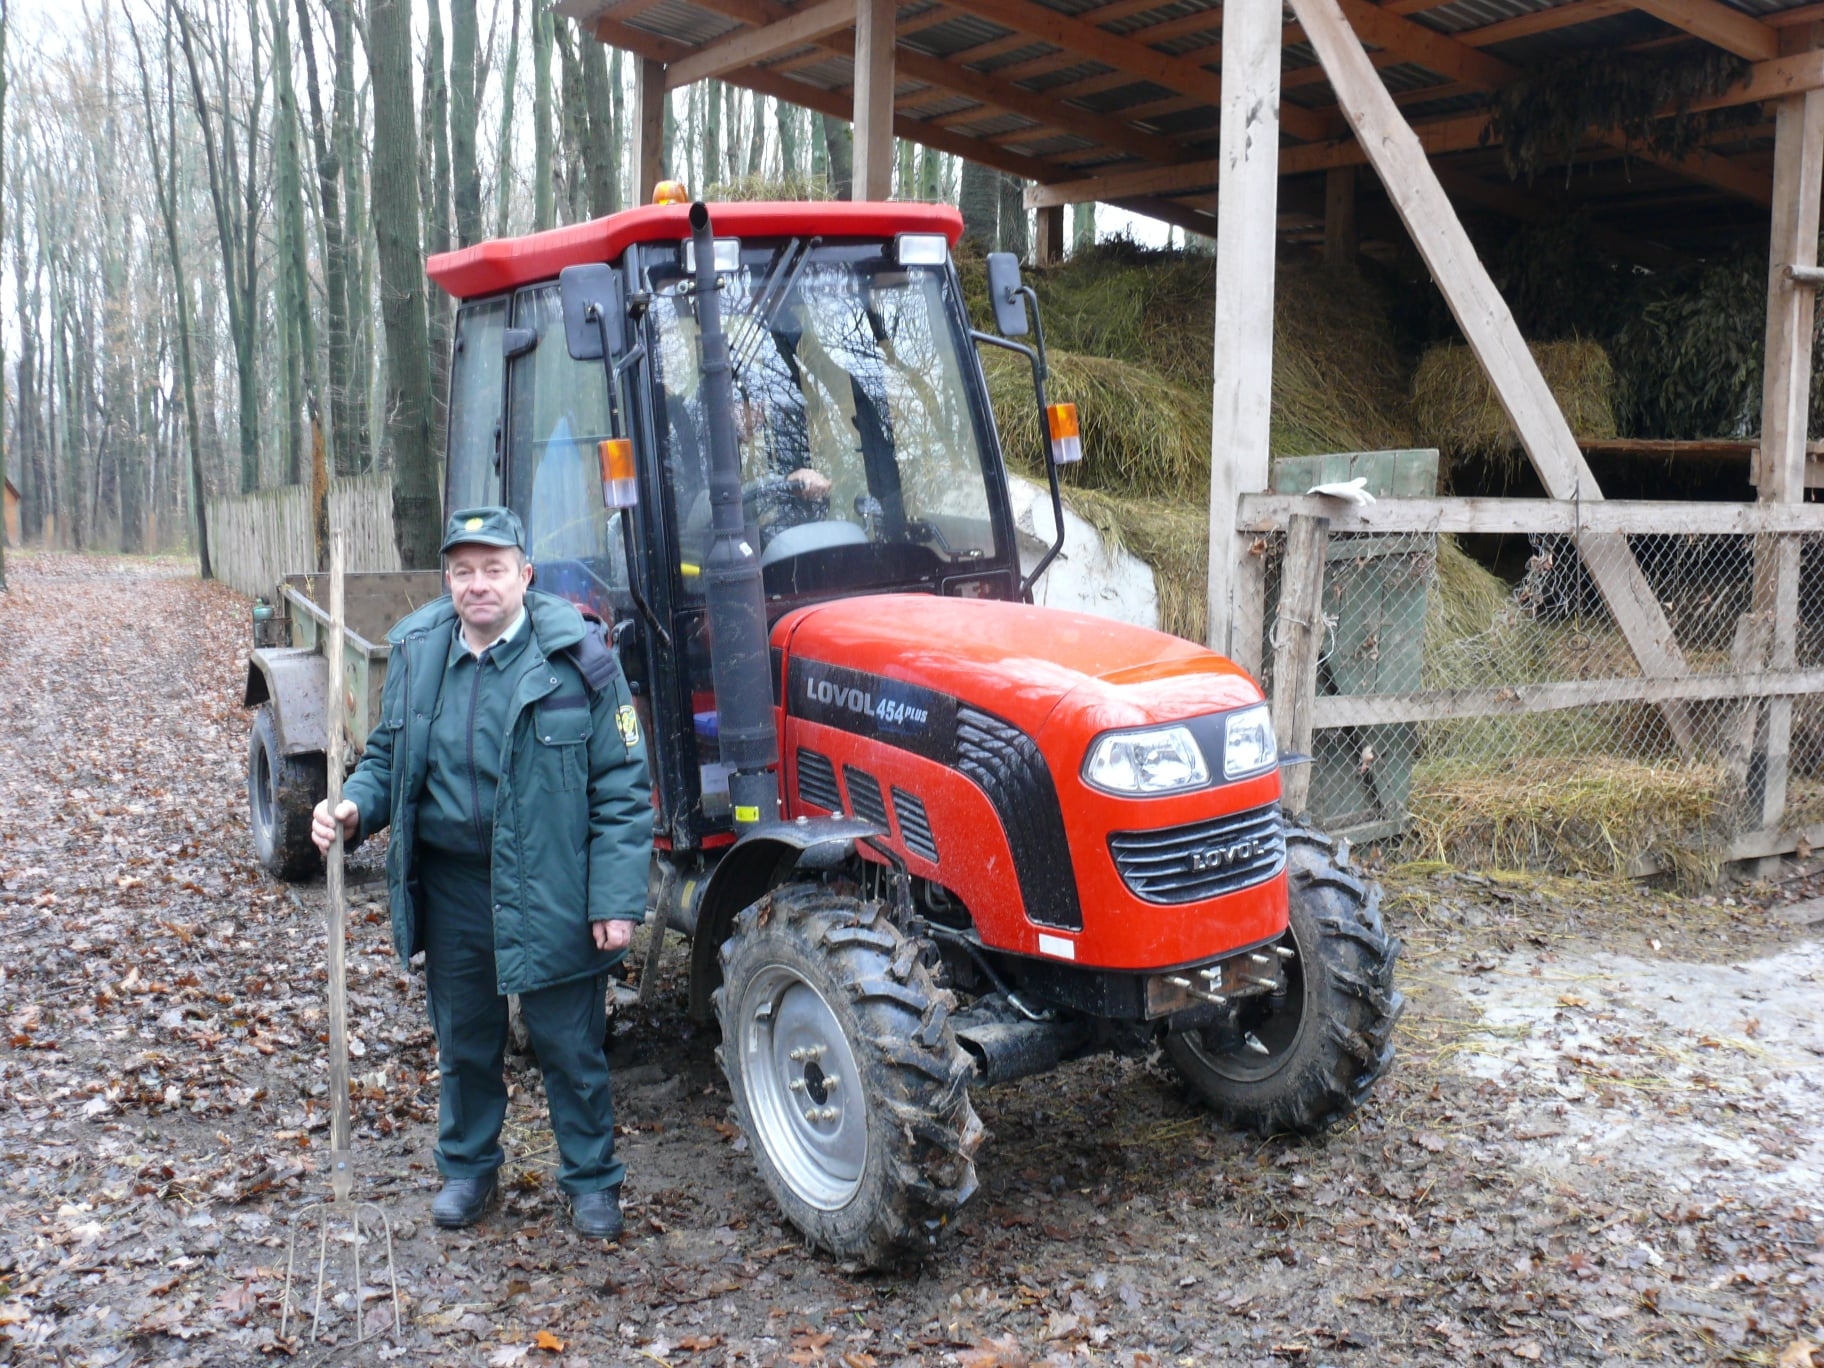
x,y
912,1066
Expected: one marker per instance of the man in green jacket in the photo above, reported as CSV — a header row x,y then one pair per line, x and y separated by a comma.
x,y
509,764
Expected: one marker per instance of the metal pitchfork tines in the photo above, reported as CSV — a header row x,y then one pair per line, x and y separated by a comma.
x,y
341,1224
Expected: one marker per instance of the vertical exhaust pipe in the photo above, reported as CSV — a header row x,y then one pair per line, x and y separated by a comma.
x,y
739,659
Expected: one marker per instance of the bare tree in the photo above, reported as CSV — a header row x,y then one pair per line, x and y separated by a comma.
x,y
416,506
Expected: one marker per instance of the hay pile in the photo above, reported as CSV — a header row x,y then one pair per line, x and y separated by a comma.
x,y
1454,406
1574,814
1129,334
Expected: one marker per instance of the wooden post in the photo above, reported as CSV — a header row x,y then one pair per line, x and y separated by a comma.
x,y
1298,638
1339,216
1246,230
1798,179
1483,316
873,98
649,131
1050,249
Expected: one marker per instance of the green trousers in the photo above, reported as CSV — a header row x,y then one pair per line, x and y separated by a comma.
x,y
567,1023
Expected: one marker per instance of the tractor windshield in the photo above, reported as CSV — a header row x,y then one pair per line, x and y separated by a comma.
x,y
860,436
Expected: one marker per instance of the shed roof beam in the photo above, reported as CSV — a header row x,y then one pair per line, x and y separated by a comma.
x,y
753,45
1718,24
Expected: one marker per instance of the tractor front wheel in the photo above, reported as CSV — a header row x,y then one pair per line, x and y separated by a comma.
x,y
282,791
847,1078
1302,1060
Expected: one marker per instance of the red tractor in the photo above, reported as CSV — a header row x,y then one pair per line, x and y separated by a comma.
x,y
923,836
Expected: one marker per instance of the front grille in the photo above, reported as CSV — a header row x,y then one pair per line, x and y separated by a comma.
x,y
1202,860
915,825
865,800
817,781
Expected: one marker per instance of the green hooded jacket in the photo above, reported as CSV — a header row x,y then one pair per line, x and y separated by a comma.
x,y
573,816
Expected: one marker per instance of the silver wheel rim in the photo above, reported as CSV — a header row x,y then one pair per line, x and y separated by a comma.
x,y
803,1088
261,788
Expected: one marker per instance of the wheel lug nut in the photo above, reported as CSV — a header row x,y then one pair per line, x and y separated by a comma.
x,y
796,1085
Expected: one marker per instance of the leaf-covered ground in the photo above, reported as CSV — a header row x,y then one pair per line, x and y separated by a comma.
x,y
1603,1141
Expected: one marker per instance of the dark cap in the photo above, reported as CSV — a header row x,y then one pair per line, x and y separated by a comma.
x,y
491,526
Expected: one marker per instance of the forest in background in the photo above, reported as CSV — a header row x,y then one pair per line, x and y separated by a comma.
x,y
214,216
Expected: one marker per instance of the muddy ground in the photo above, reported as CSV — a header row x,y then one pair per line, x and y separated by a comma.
x,y
1602,1142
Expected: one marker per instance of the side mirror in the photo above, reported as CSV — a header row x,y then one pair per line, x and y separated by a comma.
x,y
593,307
1004,291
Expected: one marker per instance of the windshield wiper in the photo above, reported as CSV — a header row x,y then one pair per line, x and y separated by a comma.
x,y
791,262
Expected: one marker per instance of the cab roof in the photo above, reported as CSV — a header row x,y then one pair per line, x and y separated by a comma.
x,y
505,263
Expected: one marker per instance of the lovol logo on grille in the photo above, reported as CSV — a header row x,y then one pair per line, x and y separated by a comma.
x,y
1221,857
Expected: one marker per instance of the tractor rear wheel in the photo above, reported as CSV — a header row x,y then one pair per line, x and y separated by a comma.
x,y
282,791
1309,1058
847,1079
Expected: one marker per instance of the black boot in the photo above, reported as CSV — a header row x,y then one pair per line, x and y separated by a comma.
x,y
463,1200
597,1215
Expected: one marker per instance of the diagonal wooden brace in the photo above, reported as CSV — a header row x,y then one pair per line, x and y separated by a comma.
x,y
1397,157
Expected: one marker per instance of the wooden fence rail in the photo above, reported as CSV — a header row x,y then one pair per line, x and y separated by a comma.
x,y
1759,685
257,539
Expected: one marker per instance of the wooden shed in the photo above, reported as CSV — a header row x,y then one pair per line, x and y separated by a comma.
x,y
1249,120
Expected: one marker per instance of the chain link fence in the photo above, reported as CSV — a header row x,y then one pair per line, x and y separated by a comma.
x,y
1504,721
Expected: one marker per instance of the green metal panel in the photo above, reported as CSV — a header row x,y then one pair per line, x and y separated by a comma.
x,y
1376,589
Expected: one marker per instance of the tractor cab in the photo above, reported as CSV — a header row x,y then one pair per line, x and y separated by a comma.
x,y
868,454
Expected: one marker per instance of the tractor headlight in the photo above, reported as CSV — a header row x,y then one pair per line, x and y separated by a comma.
x,y
1159,760
1247,743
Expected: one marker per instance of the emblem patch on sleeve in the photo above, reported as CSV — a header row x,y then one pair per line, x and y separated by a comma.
x,y
629,722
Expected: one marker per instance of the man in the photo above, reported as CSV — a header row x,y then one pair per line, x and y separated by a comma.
x,y
509,764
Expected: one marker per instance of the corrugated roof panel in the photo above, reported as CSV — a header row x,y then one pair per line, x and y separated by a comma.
x,y
1051,145
1188,44
1616,31
1180,9
955,35
1461,15
1186,122
1080,9
1050,80
1031,52
1124,97
938,103
833,73
685,23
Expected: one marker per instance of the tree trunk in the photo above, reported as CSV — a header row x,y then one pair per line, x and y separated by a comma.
x,y
434,199
351,438
223,188
3,18
839,149
164,175
395,188
465,100
1082,226
575,125
332,413
602,154
1014,236
979,198
930,174
503,148
785,116
544,210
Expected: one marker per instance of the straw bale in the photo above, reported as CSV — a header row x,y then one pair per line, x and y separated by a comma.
x,y
1454,407
1588,814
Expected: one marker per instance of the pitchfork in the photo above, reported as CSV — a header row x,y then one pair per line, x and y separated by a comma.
x,y
341,1221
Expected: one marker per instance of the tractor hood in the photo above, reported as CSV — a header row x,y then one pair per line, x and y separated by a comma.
x,y
1014,660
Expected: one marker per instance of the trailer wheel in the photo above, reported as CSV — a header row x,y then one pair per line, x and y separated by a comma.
x,y
847,1078
281,792
1307,1059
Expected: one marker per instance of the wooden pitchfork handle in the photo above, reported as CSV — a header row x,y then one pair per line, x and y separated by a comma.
x,y
341,1173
